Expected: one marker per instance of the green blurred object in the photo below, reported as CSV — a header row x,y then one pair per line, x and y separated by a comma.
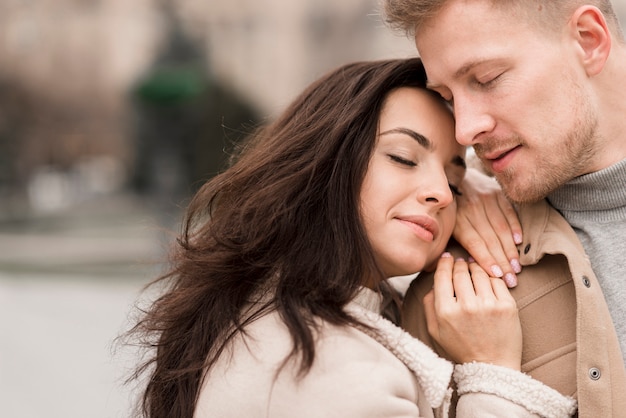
x,y
173,84
187,121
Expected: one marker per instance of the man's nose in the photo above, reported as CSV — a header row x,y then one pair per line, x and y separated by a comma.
x,y
472,120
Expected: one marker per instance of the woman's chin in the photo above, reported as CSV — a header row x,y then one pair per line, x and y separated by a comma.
x,y
431,266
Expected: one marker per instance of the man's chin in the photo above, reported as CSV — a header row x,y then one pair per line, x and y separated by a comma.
x,y
522,196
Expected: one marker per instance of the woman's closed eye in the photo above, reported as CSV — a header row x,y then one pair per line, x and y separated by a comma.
x,y
402,160
455,190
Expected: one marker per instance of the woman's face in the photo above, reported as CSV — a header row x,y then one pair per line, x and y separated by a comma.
x,y
408,202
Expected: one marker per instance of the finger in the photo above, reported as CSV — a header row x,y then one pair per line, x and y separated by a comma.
x,y
463,285
488,226
442,279
478,203
487,239
501,291
497,233
482,282
499,240
474,230
512,218
469,238
510,246
501,214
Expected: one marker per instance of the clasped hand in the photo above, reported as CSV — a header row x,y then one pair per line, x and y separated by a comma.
x,y
472,315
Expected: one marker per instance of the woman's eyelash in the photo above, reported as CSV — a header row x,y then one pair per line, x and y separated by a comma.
x,y
455,190
402,160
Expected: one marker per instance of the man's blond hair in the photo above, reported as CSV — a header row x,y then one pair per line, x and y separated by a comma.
x,y
409,15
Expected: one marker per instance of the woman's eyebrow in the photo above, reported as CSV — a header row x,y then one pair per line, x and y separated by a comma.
x,y
421,139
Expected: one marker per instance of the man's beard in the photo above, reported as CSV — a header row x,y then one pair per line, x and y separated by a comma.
x,y
571,158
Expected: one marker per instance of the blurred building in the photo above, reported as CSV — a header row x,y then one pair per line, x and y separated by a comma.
x,y
271,49
83,82
64,68
70,70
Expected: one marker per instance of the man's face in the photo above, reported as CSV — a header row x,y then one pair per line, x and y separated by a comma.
x,y
520,95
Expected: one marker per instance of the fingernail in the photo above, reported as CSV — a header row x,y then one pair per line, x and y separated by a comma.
x,y
471,260
460,259
497,271
510,280
517,237
446,255
517,267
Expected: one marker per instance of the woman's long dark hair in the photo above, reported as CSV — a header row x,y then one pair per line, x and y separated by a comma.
x,y
281,224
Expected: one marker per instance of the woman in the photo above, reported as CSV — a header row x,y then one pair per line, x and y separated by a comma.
x,y
275,295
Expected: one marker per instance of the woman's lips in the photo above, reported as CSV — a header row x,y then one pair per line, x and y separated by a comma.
x,y
424,227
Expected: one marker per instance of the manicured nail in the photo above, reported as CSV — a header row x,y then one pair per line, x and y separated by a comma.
x,y
446,255
517,238
496,271
510,280
517,267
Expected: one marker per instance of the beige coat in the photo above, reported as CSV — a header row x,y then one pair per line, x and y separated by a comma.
x,y
569,341
360,373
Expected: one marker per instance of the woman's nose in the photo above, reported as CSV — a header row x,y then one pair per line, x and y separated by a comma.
x,y
437,191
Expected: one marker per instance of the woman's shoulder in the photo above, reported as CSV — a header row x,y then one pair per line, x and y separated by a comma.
x,y
351,372
353,375
268,341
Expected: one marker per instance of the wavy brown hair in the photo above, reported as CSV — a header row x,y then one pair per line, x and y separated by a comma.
x,y
281,225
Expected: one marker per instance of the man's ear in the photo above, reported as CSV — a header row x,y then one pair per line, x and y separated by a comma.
x,y
593,36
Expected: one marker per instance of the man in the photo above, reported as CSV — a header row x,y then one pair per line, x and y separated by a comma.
x,y
538,90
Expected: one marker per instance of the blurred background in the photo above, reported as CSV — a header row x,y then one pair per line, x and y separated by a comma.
x,y
112,113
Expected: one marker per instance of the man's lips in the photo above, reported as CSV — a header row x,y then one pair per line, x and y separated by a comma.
x,y
424,226
499,160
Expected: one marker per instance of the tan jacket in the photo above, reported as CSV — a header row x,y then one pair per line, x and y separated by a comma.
x,y
569,341
379,371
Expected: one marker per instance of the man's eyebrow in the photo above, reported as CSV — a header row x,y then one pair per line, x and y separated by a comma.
x,y
421,139
467,68
460,72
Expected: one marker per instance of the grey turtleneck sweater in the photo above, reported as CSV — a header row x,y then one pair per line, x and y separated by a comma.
x,y
595,206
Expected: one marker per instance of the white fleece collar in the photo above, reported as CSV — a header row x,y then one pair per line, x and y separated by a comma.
x,y
433,373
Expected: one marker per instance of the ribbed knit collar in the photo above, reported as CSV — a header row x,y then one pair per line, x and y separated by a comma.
x,y
601,190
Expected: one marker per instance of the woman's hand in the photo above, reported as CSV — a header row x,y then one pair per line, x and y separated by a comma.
x,y
488,227
473,316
